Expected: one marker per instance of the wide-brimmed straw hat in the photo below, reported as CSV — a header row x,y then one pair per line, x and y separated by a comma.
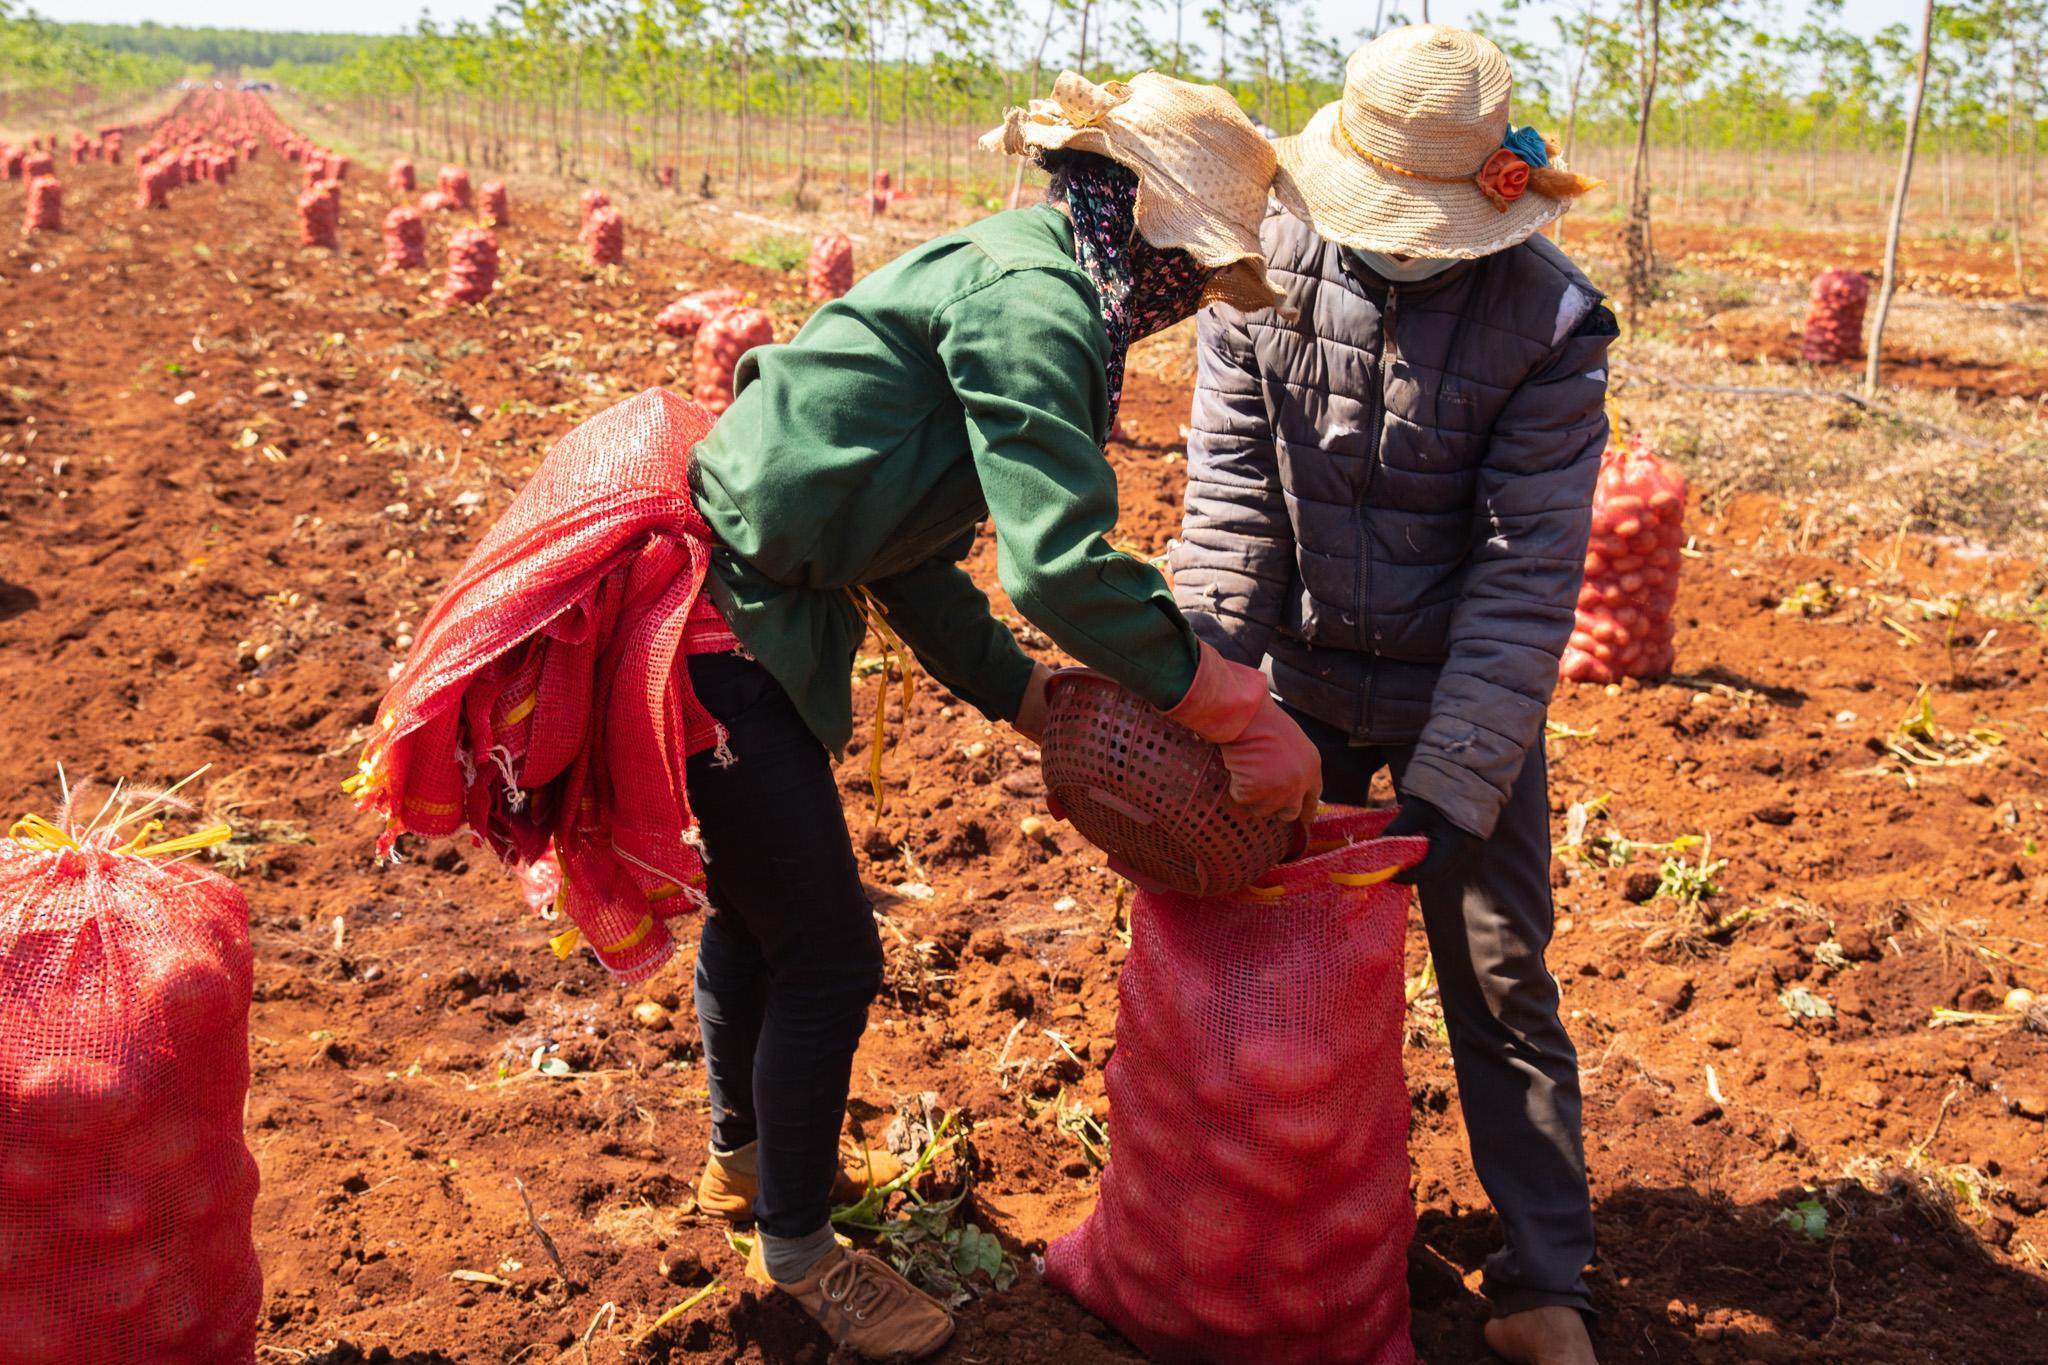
x,y
1203,169
1418,157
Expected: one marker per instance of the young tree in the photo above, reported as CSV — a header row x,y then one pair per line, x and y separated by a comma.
x,y
1641,267
1891,238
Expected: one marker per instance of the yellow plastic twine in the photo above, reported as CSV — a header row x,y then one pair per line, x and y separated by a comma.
x,y
893,654
1352,880
36,832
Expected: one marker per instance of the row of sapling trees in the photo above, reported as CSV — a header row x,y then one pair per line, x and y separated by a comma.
x,y
1759,108
728,96
47,71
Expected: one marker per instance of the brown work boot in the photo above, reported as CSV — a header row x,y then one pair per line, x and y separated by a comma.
x,y
864,1305
731,1180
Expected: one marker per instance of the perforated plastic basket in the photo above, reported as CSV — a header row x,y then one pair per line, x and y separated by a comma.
x,y
1151,792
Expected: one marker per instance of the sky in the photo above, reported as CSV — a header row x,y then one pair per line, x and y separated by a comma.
x,y
392,16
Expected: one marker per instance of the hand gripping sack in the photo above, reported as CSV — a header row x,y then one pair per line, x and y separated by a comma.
x,y
125,1187
1256,1204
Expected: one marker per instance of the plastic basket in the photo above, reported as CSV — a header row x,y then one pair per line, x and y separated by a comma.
x,y
1151,792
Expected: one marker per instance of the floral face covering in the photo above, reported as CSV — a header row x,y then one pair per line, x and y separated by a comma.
x,y
1142,287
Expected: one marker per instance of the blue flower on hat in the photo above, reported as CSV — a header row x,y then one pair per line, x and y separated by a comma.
x,y
1527,144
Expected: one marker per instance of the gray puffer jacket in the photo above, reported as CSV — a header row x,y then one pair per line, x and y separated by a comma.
x,y
1388,500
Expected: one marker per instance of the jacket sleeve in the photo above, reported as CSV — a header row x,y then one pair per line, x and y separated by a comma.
x,y
1534,509
943,617
1235,559
1028,366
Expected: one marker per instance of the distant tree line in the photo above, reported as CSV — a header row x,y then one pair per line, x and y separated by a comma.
x,y
219,49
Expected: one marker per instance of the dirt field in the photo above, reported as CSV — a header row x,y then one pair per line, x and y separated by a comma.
x,y
232,476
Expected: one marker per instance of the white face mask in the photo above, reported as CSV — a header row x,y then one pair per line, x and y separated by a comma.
x,y
1411,271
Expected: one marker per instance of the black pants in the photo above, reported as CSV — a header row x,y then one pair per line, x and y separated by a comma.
x,y
1489,921
789,959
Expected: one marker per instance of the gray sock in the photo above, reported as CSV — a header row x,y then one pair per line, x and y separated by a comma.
x,y
789,1259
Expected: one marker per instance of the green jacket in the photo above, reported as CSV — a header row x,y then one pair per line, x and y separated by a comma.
x,y
965,380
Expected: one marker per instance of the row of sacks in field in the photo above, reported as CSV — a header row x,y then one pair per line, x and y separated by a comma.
x,y
39,157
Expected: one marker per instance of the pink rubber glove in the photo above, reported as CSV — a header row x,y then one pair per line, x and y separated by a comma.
x,y
1275,770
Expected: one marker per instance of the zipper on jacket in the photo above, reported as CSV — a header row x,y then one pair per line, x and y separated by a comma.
x,y
1363,590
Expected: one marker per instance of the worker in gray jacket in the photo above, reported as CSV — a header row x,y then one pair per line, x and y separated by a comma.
x,y
1389,486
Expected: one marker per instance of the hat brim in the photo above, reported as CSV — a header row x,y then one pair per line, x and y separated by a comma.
x,y
1167,217
1354,203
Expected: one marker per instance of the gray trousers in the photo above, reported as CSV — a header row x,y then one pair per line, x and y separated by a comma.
x,y
1489,921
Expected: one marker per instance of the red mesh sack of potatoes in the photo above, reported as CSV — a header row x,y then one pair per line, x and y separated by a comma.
x,y
318,219
402,179
472,266
605,236
38,163
153,185
405,240
493,204
433,201
1256,1206
453,181
687,314
44,208
13,159
720,343
1834,317
1625,627
829,273
546,704
590,201
125,1187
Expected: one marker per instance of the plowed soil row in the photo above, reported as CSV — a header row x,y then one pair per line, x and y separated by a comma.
x,y
232,477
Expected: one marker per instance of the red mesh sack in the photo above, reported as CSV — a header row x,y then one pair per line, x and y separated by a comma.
x,y
545,702
590,201
44,208
493,205
472,266
605,236
829,273
1256,1204
720,343
401,179
453,181
38,163
153,185
337,166
433,201
313,172
125,1188
405,240
14,158
687,314
319,217
1834,317
666,176
1624,627
79,151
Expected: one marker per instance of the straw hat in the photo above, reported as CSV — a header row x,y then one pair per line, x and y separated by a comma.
x,y
1203,169
1418,157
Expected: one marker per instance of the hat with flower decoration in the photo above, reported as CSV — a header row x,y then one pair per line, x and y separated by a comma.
x,y
1418,157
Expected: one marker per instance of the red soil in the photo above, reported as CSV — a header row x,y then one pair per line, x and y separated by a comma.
x,y
227,580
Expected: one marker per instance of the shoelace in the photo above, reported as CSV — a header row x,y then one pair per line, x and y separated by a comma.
x,y
853,1286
